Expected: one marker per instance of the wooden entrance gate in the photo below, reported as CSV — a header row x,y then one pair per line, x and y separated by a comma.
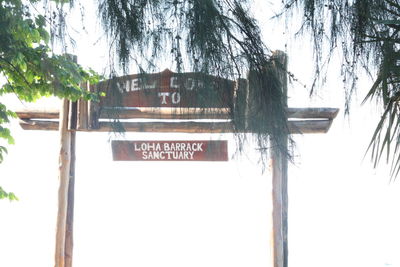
x,y
173,101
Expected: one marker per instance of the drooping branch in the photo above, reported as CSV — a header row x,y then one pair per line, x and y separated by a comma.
x,y
367,32
216,37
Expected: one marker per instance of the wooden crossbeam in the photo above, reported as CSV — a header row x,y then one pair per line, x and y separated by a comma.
x,y
301,120
295,126
176,113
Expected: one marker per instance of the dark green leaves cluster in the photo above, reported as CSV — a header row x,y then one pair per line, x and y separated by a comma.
x,y
217,37
28,67
26,61
4,194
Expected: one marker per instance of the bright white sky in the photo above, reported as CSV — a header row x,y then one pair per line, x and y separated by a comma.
x,y
342,212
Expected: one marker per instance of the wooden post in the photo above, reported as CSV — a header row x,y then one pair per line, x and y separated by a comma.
x,y
70,206
279,183
65,216
64,178
82,110
64,227
73,121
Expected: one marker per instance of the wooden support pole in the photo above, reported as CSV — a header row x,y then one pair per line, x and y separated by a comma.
x,y
72,125
69,241
64,177
279,182
67,126
279,209
82,110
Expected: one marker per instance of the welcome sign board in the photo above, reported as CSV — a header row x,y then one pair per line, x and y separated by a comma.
x,y
170,150
167,89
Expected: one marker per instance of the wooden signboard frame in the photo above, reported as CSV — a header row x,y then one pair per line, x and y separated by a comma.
x,y
89,117
170,150
166,89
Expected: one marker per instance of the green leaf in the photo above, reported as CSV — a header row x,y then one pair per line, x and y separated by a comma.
x,y
10,196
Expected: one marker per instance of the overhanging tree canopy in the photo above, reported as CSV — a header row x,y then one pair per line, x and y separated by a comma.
x,y
218,37
212,37
367,32
29,68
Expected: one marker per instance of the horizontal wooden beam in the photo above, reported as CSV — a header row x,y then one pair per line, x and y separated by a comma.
x,y
41,125
172,127
312,113
165,113
296,127
38,114
309,126
135,113
180,113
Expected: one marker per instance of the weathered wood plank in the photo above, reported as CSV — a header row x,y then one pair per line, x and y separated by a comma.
x,y
40,125
312,113
82,117
38,114
279,181
163,113
72,115
279,178
137,113
64,172
309,126
173,127
190,113
69,241
296,127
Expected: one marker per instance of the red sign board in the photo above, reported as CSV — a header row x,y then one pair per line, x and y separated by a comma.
x,y
170,150
167,89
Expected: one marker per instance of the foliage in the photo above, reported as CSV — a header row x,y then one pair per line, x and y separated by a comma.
x,y
29,67
368,34
217,37
213,37
4,194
